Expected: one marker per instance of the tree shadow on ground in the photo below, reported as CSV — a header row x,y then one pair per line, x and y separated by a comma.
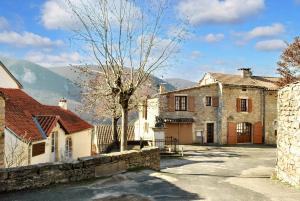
x,y
177,162
144,185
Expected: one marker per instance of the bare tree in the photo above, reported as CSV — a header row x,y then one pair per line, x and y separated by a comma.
x,y
16,152
96,101
289,64
126,38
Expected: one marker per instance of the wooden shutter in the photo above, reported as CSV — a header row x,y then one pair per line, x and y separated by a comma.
x,y
215,101
238,105
38,149
249,105
191,103
258,133
171,103
231,133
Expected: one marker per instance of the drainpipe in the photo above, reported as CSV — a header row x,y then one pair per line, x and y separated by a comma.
x,y
263,113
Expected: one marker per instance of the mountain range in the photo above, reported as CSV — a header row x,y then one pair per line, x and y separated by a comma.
x,y
48,85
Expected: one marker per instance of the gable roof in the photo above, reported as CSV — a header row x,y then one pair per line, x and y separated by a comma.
x,y
11,75
270,83
22,113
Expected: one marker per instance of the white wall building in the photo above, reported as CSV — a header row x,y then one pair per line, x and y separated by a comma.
x,y
36,133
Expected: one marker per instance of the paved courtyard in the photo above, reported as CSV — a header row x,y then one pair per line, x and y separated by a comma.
x,y
204,173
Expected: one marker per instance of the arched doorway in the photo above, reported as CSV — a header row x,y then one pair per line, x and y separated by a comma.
x,y
244,132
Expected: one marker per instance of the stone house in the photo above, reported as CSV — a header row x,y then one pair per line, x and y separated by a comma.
x,y
36,133
288,143
221,109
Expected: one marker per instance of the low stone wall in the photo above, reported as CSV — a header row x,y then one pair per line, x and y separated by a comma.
x,y
288,138
41,175
2,117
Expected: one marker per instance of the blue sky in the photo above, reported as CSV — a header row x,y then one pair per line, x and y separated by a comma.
x,y
224,35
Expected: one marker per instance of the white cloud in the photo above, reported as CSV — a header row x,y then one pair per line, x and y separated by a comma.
x,y
29,76
49,60
212,38
3,23
27,39
57,14
196,54
271,45
218,11
259,32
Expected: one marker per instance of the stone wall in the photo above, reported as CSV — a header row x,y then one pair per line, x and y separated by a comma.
x,y
288,137
202,114
2,115
41,175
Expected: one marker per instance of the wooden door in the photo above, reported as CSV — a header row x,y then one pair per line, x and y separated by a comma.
x,y
244,131
210,132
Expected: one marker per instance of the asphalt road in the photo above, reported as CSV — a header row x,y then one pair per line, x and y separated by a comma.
x,y
204,173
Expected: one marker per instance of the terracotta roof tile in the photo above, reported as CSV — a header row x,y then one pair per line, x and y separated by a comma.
x,y
253,81
20,109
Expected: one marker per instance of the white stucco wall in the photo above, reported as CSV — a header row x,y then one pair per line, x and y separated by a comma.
x,y
6,81
15,151
143,127
82,142
81,146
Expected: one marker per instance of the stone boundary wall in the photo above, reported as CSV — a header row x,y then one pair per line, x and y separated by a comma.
x,y
288,138
2,119
42,175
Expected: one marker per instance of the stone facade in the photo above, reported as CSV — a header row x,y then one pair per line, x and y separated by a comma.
x,y
41,175
2,117
288,142
222,114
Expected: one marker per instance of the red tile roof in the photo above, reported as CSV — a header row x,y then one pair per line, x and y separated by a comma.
x,y
21,109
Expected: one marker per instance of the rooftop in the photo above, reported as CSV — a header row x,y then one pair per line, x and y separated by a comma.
x,y
32,120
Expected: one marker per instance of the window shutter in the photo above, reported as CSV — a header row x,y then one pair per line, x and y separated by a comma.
x,y
238,105
249,105
231,133
38,149
171,103
191,103
258,133
215,101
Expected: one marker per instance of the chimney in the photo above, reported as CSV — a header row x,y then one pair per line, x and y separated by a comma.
x,y
63,104
162,88
245,72
2,120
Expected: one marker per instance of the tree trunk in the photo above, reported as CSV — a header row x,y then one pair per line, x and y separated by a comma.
x,y
115,131
124,126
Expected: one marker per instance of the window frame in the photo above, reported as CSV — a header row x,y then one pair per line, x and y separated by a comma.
x,y
243,128
181,103
69,147
244,106
208,101
54,135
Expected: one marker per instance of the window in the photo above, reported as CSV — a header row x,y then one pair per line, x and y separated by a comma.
x,y
244,105
208,101
243,128
53,141
69,147
180,103
38,149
